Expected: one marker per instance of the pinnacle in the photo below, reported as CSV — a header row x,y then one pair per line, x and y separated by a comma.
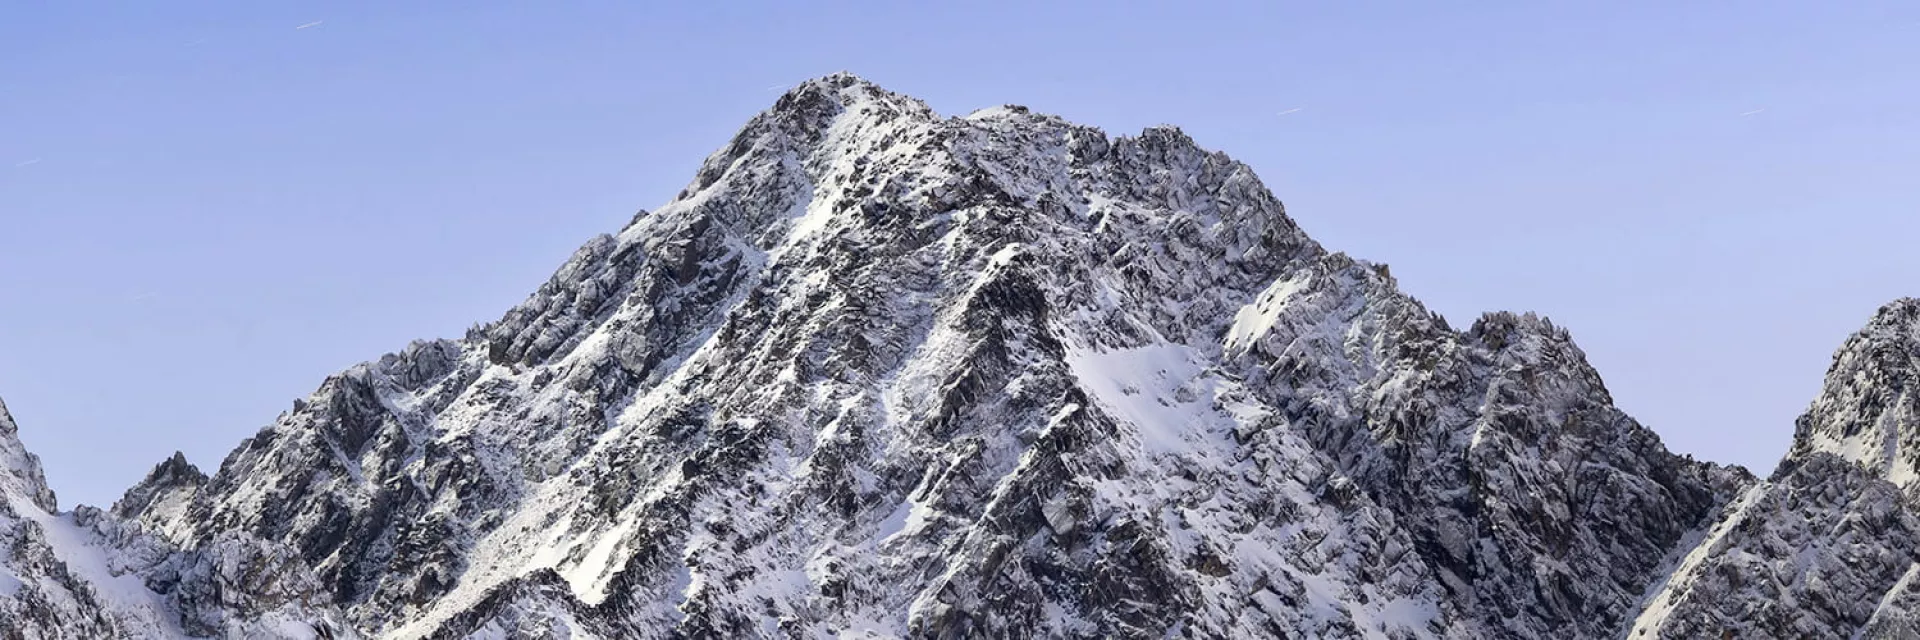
x,y
22,465
177,466
6,419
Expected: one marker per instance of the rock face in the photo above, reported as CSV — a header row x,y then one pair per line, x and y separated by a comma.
x,y
880,373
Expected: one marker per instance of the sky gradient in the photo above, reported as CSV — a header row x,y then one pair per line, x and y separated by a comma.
x,y
206,208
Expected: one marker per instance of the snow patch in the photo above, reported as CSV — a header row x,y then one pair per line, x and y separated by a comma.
x,y
1654,615
1254,320
1158,389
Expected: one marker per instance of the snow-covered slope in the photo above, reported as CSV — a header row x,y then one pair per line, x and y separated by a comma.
x,y
882,373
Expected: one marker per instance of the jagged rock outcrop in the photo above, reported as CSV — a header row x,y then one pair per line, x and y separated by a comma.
x,y
878,372
161,499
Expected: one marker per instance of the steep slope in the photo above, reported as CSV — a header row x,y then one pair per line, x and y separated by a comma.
x,y
1541,506
85,575
1827,547
41,594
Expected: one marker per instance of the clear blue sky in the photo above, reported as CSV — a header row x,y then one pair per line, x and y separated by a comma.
x,y
204,209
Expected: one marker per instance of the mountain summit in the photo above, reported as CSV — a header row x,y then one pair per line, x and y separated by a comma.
x,y
881,373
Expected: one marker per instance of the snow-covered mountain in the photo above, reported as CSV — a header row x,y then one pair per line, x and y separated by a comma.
x,y
882,373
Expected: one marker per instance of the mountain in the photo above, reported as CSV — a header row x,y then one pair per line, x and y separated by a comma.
x,y
877,372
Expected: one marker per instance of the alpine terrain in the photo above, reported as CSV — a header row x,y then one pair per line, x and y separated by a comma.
x,y
881,373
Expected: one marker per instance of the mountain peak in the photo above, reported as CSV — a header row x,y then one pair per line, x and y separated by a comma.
x,y
1868,410
20,474
1901,314
175,471
838,81
840,92
164,494
772,146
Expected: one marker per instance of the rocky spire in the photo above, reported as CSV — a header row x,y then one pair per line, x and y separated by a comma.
x,y
20,474
162,495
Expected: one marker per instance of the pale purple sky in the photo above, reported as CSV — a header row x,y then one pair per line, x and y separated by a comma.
x,y
205,209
